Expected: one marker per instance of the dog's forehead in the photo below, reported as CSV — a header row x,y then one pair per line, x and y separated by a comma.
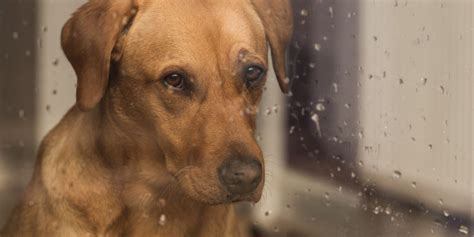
x,y
193,26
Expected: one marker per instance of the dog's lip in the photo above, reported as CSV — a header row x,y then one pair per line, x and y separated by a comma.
x,y
239,198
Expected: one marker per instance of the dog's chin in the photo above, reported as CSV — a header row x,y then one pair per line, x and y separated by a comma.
x,y
223,198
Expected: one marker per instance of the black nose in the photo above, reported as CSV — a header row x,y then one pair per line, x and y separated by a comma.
x,y
240,175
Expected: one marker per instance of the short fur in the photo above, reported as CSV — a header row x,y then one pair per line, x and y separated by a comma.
x,y
134,157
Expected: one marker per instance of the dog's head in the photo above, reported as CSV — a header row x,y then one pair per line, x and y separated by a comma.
x,y
192,73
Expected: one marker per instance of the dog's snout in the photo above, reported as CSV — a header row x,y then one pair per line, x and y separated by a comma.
x,y
240,176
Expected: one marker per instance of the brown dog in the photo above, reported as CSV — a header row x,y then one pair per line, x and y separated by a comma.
x,y
161,139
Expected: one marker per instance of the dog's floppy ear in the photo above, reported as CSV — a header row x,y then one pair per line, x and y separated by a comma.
x,y
88,39
277,18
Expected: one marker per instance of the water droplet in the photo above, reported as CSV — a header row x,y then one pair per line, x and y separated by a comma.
x,y
268,111
397,174
375,38
413,184
317,47
276,229
400,81
327,196
45,28
304,12
55,62
348,106
320,107
424,80
336,87
464,229
21,113
312,65
315,119
331,12
440,201
292,129
275,109
446,213
441,89
267,213
388,210
377,210
15,35
162,220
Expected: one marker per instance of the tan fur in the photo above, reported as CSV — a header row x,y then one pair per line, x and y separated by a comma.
x,y
133,157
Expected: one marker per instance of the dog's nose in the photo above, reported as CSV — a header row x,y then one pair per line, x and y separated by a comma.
x,y
240,176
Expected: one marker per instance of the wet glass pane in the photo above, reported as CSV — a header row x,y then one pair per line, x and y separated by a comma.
x,y
172,121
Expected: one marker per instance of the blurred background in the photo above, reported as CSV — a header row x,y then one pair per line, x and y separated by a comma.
x,y
375,138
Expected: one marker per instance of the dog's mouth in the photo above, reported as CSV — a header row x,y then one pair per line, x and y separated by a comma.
x,y
206,189
241,198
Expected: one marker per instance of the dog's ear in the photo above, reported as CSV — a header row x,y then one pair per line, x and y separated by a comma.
x,y
277,18
88,39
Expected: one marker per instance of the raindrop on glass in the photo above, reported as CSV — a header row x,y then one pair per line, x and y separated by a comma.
x,y
377,210
464,229
317,47
353,175
315,119
441,89
15,35
275,109
304,12
292,129
388,210
268,111
446,213
320,107
336,87
162,220
21,113
397,174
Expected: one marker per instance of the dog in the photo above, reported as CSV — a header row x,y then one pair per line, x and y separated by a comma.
x,y
160,141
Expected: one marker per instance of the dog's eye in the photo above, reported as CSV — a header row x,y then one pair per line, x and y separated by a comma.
x,y
253,74
175,80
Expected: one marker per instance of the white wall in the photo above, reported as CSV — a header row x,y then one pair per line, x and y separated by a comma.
x,y
56,78
420,127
